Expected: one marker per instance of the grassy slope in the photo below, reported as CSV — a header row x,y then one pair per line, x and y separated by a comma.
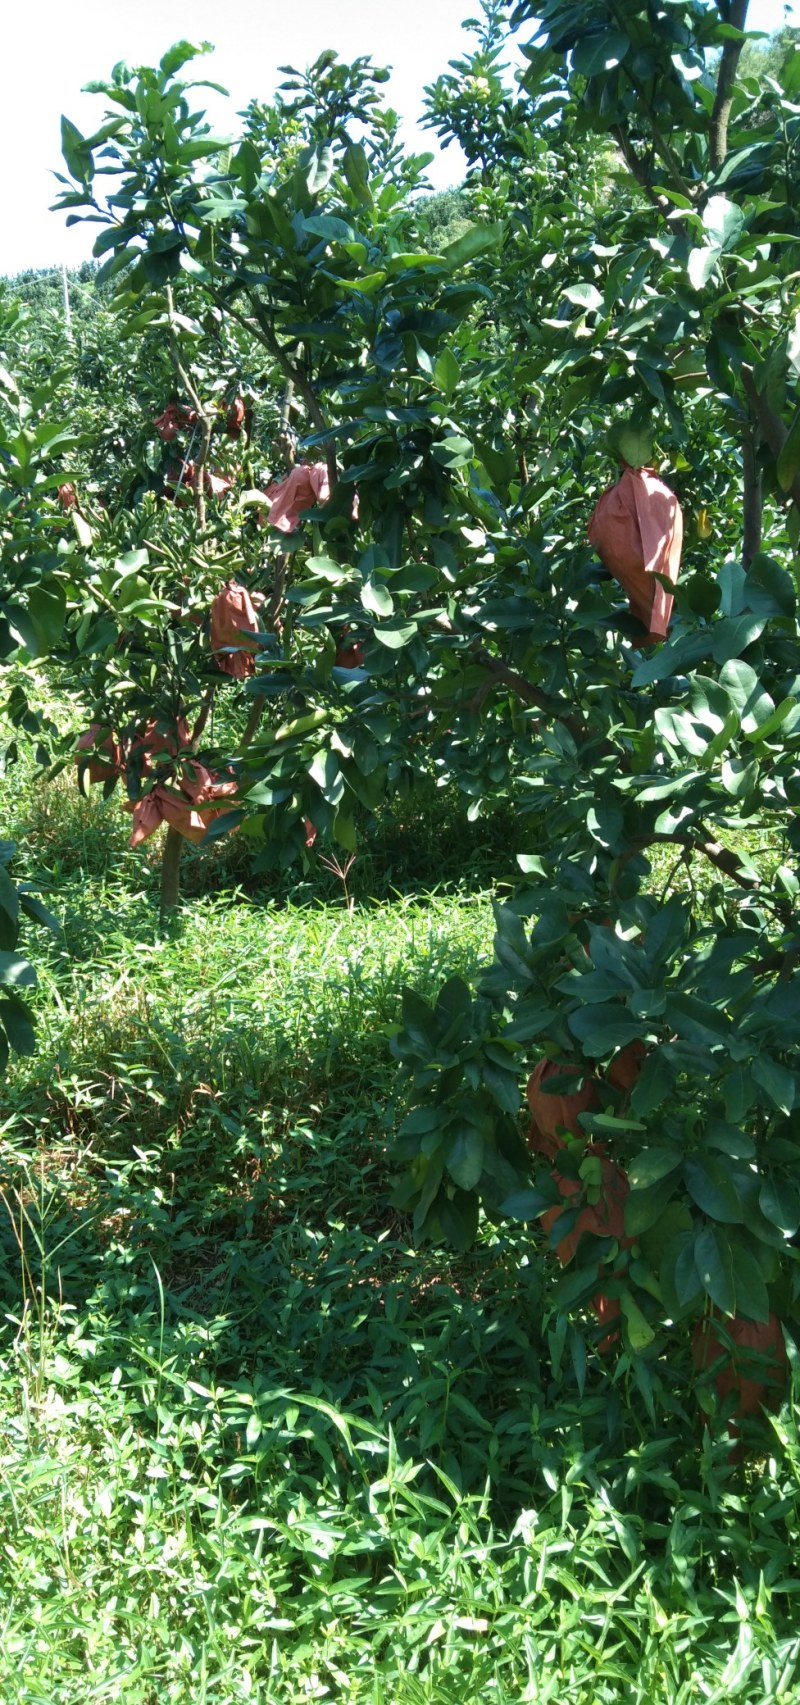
x,y
252,1444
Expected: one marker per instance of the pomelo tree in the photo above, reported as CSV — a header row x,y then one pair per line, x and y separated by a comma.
x,y
663,1008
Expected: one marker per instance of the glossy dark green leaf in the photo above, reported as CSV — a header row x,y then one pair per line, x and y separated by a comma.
x,y
464,1157
779,1201
711,1185
596,53
18,1025
714,1266
16,972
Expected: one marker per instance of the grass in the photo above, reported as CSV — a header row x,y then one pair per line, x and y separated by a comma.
x,y
253,1444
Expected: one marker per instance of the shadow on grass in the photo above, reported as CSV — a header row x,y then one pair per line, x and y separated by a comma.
x,y
253,1251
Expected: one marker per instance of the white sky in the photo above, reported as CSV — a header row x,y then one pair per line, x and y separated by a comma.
x,y
50,48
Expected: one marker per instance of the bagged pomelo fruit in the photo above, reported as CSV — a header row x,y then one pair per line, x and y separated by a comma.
x,y
637,530
552,1113
232,615
603,1218
747,1359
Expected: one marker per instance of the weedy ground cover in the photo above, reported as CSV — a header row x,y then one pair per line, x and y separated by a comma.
x,y
253,1444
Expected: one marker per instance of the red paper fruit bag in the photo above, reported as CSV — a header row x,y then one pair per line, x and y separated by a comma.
x,y
637,531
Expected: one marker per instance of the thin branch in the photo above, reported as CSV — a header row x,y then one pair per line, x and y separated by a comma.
x,y
722,857
253,720
751,497
205,419
503,676
637,167
770,425
205,711
783,960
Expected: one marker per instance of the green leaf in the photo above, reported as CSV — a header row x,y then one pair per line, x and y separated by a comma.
x,y
679,1275
738,777
179,54
377,599
769,588
47,604
772,722
76,152
459,1219
645,1206
454,452
723,220
324,770
320,168
419,1021
779,1083
733,635
654,1085
603,1028
788,464
446,373
223,825
605,825
344,831
711,1186
464,1160
356,170
585,296
714,1267
701,266
395,635
651,1165
752,1297
9,897
632,442
640,1332
531,864
594,54
33,908
472,242
22,628
327,226
18,1025
528,1204
82,530
16,972
740,682
779,1202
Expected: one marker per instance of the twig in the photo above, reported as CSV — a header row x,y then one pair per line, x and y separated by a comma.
x,y
198,478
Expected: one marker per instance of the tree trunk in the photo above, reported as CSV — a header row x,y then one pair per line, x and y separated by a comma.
x,y
736,16
171,873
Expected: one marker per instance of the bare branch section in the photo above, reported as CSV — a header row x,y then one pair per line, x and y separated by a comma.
x,y
500,675
722,857
171,873
770,425
753,500
204,419
735,14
